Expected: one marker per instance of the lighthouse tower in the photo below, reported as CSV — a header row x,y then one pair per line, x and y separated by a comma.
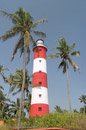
x,y
39,101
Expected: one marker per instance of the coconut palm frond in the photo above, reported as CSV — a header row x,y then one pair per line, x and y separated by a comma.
x,y
19,90
58,48
5,69
63,42
53,55
73,64
64,67
12,32
56,40
4,78
34,43
61,64
39,33
72,47
39,21
17,46
75,53
1,87
13,17
5,14
12,88
32,40
2,69
83,99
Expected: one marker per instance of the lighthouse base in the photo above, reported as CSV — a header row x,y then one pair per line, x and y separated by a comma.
x,y
39,109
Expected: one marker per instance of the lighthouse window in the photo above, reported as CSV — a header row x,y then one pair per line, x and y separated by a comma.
x,y
39,60
39,109
40,95
40,83
39,49
40,71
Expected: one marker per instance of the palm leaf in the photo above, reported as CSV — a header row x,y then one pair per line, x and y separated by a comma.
x,y
33,41
72,47
63,43
75,53
4,78
17,46
13,17
12,32
73,64
21,50
57,40
61,64
53,55
12,88
58,48
39,21
39,33
1,87
5,69
19,90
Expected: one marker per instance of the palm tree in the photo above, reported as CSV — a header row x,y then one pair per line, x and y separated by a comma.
x,y
57,108
83,99
23,25
27,103
1,93
16,83
2,73
64,52
1,87
2,97
14,108
3,103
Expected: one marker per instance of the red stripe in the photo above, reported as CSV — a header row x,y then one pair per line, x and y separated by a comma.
x,y
40,52
39,109
39,79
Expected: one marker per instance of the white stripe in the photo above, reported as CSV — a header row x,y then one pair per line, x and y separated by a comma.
x,y
39,95
39,64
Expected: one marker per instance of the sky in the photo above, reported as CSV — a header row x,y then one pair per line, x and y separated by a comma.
x,y
66,18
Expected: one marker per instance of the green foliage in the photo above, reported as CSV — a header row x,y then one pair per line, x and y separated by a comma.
x,y
72,121
83,99
64,51
5,128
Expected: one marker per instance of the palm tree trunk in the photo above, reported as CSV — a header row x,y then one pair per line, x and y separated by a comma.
x,y
84,109
68,89
23,103
21,100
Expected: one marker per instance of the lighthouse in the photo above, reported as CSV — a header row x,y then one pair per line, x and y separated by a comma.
x,y
39,99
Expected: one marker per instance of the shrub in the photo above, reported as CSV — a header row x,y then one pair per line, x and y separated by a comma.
x,y
73,121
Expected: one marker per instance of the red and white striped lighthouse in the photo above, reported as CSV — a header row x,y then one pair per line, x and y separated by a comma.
x,y
39,100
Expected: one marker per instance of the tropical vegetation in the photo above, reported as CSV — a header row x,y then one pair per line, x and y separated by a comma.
x,y
13,112
22,24
72,121
64,51
83,100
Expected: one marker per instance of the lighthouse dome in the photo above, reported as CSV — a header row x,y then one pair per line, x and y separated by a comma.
x,y
40,42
